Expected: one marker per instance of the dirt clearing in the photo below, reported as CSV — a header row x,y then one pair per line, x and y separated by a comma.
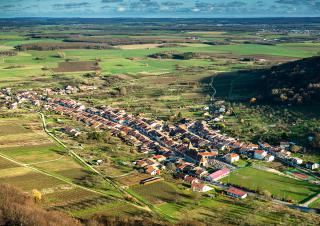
x,y
77,66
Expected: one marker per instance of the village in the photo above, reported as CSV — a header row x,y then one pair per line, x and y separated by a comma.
x,y
194,152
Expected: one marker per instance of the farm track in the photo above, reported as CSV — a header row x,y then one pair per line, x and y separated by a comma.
x,y
49,174
313,199
53,160
139,204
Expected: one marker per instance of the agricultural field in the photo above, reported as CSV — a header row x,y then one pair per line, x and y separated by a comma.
x,y
29,164
158,193
316,204
279,186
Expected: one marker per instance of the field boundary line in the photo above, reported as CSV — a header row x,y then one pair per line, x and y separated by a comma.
x,y
140,204
50,175
53,160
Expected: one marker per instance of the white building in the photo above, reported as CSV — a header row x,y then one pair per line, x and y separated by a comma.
x,y
297,161
269,158
197,186
312,166
260,154
233,158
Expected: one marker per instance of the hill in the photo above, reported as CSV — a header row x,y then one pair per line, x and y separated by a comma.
x,y
296,82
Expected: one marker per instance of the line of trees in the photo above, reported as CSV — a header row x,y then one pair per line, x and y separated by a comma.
x,y
57,46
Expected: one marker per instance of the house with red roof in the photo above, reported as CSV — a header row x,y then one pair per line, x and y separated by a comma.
x,y
269,158
159,158
236,193
252,146
260,154
152,171
190,179
198,186
204,157
233,157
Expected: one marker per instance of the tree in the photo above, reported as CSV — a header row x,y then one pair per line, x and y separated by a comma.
x,y
316,141
61,55
295,148
37,196
266,194
97,73
123,91
18,208
195,196
171,166
95,136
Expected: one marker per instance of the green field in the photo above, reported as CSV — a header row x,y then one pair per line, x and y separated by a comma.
x,y
158,192
45,167
315,204
280,187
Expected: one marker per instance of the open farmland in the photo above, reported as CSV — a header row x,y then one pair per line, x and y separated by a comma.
x,y
158,192
279,186
233,211
77,66
45,167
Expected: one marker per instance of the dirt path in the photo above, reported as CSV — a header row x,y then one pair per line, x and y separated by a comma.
x,y
308,202
141,204
53,160
48,174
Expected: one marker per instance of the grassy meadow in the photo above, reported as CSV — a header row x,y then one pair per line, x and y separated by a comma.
x,y
279,186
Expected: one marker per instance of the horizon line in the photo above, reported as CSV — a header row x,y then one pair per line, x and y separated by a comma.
x,y
136,17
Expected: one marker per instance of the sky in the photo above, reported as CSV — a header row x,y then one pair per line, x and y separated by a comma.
x,y
159,8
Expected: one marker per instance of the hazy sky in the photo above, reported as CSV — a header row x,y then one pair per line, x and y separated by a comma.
x,y
158,8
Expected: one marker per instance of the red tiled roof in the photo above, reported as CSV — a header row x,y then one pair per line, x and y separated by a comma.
x,y
233,155
159,156
260,152
252,146
150,169
219,173
197,185
236,191
189,179
207,154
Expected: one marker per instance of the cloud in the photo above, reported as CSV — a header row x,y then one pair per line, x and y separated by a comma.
x,y
144,5
203,7
298,2
10,7
121,9
260,3
71,5
233,4
112,1
296,5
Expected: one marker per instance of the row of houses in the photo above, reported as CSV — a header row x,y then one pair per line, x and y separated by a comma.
x,y
152,165
150,134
